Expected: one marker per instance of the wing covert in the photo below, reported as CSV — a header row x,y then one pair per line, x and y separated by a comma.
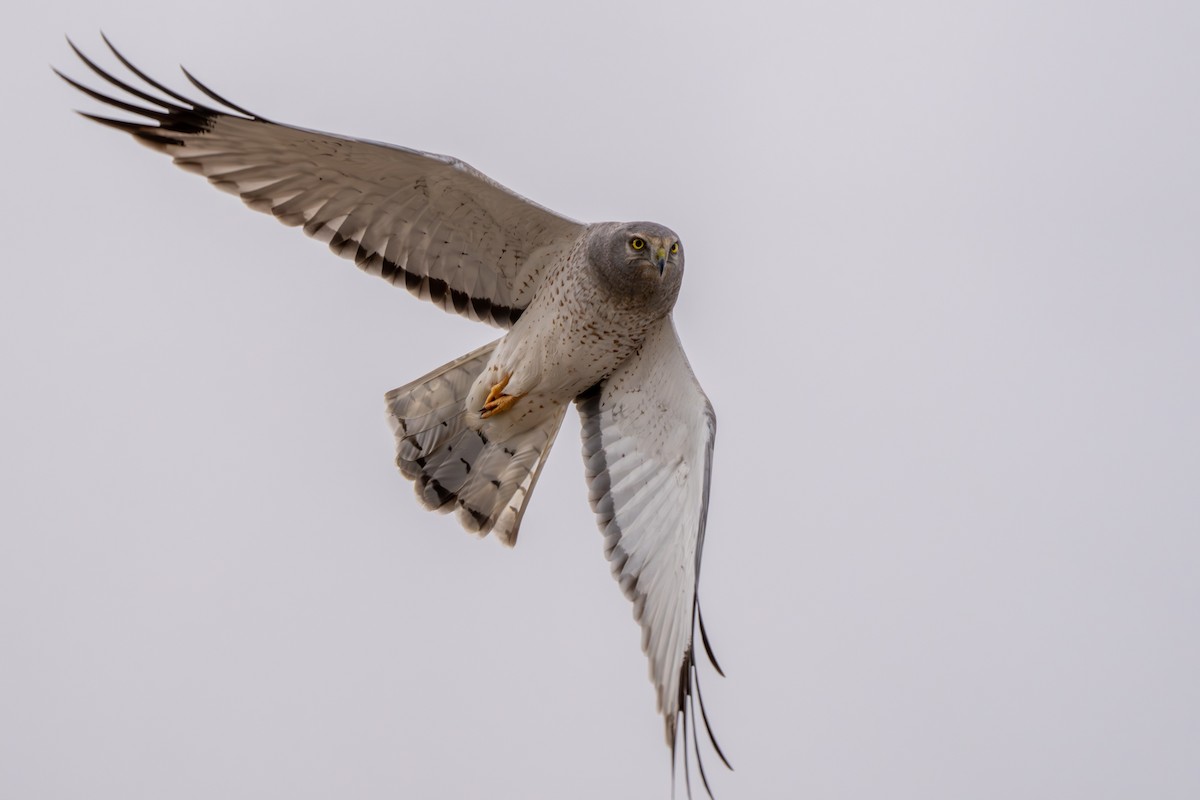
x,y
430,223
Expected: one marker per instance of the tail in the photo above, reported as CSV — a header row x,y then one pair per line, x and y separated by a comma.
x,y
456,466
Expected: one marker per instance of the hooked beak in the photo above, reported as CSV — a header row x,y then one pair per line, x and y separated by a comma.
x,y
660,260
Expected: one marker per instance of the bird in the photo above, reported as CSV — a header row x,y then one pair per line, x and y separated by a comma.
x,y
586,310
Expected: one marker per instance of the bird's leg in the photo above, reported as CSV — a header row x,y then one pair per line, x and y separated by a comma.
x,y
497,401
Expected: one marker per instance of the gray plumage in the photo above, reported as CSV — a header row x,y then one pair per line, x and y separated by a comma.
x,y
587,308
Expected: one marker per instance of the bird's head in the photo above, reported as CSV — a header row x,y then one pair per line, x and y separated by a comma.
x,y
641,262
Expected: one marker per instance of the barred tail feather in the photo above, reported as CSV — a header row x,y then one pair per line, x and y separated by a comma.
x,y
454,463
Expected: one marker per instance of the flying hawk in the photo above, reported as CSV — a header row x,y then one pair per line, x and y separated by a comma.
x,y
587,314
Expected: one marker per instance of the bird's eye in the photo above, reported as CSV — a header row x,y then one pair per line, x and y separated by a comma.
x,y
675,248
637,243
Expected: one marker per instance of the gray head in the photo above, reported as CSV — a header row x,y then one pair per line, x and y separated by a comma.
x,y
639,263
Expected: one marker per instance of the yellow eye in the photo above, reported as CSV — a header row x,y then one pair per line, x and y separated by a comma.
x,y
675,248
637,243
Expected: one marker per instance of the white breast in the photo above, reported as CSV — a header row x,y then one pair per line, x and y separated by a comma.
x,y
568,339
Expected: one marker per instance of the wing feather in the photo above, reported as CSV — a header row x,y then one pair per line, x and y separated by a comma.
x,y
648,433
429,223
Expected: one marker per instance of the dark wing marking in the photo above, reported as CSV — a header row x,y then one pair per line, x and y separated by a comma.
x,y
430,223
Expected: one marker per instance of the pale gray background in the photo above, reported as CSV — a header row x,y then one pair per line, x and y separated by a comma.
x,y
943,282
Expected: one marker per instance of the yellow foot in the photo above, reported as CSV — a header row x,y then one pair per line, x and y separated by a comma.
x,y
498,402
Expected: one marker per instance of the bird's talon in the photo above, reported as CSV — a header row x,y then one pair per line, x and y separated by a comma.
x,y
498,402
497,391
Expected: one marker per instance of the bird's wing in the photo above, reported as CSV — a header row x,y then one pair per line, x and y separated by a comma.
x,y
648,434
430,223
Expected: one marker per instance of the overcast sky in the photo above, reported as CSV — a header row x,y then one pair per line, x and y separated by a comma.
x,y
943,290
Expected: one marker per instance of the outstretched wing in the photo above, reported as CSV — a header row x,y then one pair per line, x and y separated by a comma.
x,y
648,434
430,223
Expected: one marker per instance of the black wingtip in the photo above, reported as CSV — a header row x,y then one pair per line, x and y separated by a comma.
x,y
214,96
673,739
707,726
696,741
146,133
704,639
690,695
112,101
687,772
169,117
188,102
72,45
